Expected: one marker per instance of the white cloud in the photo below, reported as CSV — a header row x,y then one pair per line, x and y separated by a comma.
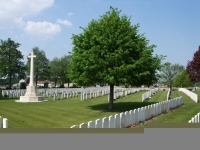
x,y
65,22
70,14
43,29
19,22
12,11
20,8
11,22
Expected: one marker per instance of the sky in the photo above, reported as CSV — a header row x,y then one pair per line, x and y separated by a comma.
x,y
172,25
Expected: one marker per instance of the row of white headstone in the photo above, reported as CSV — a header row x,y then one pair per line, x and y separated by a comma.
x,y
3,122
85,95
125,92
62,95
49,91
192,95
125,119
195,119
72,92
90,93
58,94
148,94
119,92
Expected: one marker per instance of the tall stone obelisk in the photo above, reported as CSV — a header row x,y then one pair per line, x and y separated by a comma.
x,y
31,95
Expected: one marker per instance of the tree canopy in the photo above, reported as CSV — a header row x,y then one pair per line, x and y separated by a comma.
x,y
64,64
193,67
55,69
41,65
182,80
59,68
169,71
111,51
11,62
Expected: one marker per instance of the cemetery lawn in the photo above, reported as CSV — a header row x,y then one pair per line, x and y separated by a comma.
x,y
68,112
181,114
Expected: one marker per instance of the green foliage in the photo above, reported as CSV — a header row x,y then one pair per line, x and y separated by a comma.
x,y
10,60
41,65
46,85
22,85
169,71
64,64
182,80
111,51
74,86
59,68
62,86
54,69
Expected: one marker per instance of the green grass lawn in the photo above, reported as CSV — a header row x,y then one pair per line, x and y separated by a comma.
x,y
198,93
69,112
180,115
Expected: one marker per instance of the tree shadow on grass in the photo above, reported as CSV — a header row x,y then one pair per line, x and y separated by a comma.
x,y
120,106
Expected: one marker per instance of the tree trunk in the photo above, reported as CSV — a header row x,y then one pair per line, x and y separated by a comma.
x,y
55,83
170,91
111,96
10,78
36,80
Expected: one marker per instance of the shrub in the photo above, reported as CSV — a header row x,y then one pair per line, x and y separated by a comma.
x,y
62,86
23,85
46,85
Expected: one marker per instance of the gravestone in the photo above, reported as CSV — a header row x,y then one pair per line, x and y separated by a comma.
x,y
31,95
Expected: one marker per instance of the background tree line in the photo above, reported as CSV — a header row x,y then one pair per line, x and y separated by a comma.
x,y
13,68
108,51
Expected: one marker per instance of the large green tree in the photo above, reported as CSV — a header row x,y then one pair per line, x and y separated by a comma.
x,y
10,60
59,69
55,69
65,63
111,51
169,72
41,65
182,80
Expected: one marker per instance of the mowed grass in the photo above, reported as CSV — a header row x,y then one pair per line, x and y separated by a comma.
x,y
181,114
198,93
68,112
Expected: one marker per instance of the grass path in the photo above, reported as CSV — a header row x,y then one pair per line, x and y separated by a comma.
x,y
180,115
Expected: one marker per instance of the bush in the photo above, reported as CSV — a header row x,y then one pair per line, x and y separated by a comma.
x,y
23,85
46,85
62,86
75,86
7,88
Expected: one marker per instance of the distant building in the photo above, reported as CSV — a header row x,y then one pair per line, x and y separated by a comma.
x,y
41,83
70,85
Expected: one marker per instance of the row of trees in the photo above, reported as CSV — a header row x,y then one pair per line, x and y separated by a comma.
x,y
176,75
13,68
109,51
55,70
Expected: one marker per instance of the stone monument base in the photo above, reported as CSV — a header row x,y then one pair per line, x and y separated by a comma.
x,y
31,96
